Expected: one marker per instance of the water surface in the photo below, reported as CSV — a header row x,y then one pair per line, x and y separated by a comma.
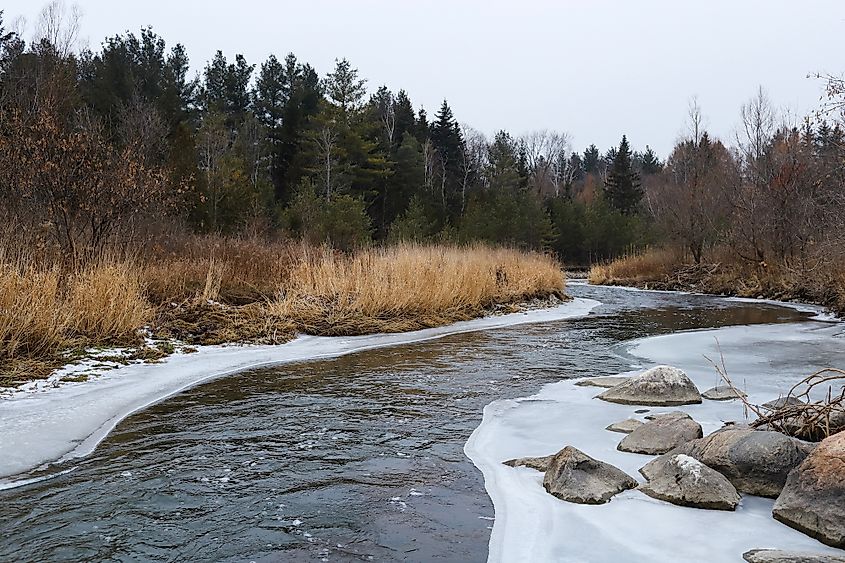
x,y
353,459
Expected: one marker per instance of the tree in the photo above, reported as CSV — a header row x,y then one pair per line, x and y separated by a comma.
x,y
591,160
622,187
448,145
83,189
544,151
344,88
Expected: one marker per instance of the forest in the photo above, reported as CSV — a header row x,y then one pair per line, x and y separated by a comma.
x,y
204,185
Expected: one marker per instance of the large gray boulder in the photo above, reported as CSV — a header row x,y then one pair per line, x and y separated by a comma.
x,y
574,476
625,426
723,393
685,481
661,386
813,500
756,462
778,556
661,434
538,463
606,382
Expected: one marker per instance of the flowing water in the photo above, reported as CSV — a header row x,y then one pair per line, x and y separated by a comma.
x,y
353,459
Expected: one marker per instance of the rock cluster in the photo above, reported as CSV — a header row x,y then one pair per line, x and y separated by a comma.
x,y
756,462
710,472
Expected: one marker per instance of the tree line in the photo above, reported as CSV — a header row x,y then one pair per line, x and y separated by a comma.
x,y
98,146
118,140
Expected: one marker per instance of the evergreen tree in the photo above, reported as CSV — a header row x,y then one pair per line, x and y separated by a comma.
x,y
591,160
422,127
649,162
405,118
448,144
622,187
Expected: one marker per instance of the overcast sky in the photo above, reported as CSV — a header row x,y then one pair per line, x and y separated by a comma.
x,y
593,69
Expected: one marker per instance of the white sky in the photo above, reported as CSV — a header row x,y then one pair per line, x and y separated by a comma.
x,y
594,69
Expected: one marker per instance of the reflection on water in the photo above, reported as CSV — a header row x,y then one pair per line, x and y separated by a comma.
x,y
353,459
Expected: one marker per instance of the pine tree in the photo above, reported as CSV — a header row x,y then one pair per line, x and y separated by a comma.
x,y
622,187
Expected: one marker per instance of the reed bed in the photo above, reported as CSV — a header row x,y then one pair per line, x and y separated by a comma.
x,y
214,290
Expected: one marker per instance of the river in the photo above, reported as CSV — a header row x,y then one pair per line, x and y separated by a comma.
x,y
359,458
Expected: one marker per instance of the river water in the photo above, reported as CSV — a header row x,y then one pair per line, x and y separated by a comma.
x,y
359,458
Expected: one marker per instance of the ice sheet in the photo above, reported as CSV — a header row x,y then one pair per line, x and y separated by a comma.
x,y
531,525
62,423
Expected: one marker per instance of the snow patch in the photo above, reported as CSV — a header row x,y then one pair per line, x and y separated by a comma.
x,y
532,525
689,464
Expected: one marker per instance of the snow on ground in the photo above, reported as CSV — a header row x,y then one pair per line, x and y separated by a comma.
x,y
532,525
49,424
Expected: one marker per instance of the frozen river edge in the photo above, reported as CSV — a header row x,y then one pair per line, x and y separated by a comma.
x,y
532,525
55,425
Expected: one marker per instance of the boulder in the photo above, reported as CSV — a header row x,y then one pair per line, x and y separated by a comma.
x,y
813,499
660,435
723,393
781,402
661,386
625,426
606,382
538,463
778,556
756,462
574,476
683,480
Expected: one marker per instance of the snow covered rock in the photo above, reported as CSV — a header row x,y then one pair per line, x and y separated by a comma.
x,y
607,382
574,476
625,426
661,434
755,461
723,393
778,556
538,463
662,386
813,500
685,481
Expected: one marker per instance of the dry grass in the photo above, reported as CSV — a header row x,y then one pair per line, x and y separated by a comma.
x,y
45,310
214,290
822,282
652,265
409,287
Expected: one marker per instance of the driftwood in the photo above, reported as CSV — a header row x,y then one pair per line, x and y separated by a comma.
x,y
807,420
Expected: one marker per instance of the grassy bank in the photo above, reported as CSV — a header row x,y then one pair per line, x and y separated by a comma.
x,y
822,283
214,290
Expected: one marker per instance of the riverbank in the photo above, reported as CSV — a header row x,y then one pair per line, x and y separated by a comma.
x,y
532,525
665,269
213,290
66,422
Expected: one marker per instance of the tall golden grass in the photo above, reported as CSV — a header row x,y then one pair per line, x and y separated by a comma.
x,y
820,280
44,309
652,265
240,290
408,287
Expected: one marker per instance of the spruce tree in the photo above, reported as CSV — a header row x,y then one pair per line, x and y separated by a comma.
x,y
649,163
622,187
591,160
